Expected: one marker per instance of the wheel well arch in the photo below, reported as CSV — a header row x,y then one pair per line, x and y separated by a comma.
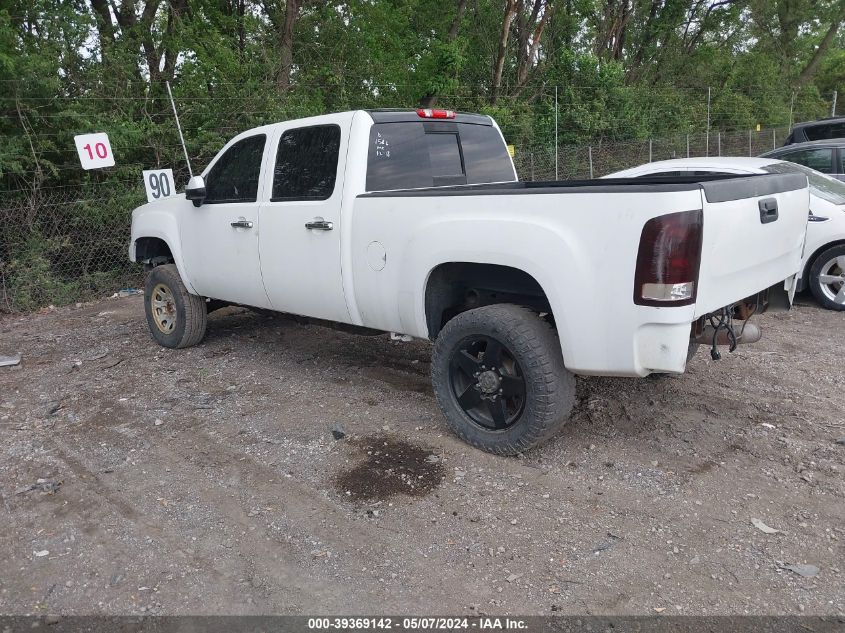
x,y
455,287
805,277
153,251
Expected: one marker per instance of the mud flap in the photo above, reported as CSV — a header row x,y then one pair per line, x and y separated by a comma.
x,y
780,296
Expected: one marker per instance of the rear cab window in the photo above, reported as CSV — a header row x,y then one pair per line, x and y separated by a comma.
x,y
418,154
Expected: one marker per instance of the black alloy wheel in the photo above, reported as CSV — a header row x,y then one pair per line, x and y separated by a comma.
x,y
487,382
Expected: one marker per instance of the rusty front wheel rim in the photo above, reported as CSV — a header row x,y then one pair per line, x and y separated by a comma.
x,y
163,308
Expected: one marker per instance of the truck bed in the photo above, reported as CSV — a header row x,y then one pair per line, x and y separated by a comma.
x,y
581,249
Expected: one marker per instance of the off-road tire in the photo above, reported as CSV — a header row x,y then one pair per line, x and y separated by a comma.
x,y
190,310
815,271
549,386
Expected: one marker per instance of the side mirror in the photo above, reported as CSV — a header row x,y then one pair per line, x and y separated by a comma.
x,y
195,190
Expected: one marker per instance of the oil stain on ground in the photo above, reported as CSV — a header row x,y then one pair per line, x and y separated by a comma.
x,y
390,467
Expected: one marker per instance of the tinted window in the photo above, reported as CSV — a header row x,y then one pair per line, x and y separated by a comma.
x,y
234,177
444,155
818,159
398,157
823,186
825,131
306,163
404,156
485,154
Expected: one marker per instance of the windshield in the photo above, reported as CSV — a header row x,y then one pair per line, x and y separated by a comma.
x,y
821,185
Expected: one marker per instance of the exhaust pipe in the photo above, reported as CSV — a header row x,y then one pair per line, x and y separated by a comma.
x,y
750,333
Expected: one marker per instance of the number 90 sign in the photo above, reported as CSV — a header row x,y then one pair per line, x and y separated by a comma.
x,y
94,150
158,183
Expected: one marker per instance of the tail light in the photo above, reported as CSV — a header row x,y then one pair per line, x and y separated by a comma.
x,y
429,113
668,260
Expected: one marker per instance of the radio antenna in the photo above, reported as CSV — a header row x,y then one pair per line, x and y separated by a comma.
x,y
179,127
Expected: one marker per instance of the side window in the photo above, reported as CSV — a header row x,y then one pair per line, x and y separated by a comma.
x,y
234,177
825,131
841,169
306,163
818,159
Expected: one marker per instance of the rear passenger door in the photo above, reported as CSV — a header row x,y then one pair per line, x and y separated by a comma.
x,y
300,239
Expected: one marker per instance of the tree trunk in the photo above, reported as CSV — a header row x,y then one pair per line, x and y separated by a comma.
x,y
430,99
105,28
499,66
811,67
528,52
286,44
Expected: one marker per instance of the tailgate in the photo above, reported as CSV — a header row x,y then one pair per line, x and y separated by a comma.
x,y
753,236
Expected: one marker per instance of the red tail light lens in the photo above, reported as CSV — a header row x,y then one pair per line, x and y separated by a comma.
x,y
429,113
668,260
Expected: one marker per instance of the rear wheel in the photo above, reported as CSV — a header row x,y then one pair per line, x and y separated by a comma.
x,y
499,378
827,278
175,317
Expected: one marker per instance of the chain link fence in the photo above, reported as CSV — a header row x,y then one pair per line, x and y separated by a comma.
x,y
68,244
578,162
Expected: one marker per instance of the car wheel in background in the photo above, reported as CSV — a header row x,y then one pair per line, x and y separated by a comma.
x,y
827,278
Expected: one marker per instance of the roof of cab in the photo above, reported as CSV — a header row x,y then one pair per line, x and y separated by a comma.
x,y
389,115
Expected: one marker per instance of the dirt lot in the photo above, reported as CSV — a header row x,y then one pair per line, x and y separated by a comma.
x,y
138,479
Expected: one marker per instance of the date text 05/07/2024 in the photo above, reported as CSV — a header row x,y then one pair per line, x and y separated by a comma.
x,y
417,623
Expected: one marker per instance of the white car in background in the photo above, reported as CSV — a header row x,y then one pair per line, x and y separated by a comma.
x,y
823,265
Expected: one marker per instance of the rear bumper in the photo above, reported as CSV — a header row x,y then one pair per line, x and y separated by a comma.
x,y
660,344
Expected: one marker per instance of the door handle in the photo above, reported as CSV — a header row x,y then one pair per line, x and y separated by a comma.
x,y
242,224
768,210
319,225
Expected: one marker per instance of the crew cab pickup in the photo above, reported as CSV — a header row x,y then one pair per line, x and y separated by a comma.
x,y
414,222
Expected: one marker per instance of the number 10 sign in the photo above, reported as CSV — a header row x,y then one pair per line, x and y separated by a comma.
x,y
94,150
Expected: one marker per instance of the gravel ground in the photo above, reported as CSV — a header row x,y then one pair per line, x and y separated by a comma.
x,y
137,479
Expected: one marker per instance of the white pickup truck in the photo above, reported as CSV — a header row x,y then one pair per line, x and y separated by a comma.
x,y
414,222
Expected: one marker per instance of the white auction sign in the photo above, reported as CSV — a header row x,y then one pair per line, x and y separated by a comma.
x,y
158,183
94,150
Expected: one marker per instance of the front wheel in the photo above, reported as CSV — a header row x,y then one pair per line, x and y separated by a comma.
x,y
827,278
175,317
499,378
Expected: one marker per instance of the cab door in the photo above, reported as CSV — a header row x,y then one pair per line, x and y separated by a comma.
x,y
300,239
220,237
